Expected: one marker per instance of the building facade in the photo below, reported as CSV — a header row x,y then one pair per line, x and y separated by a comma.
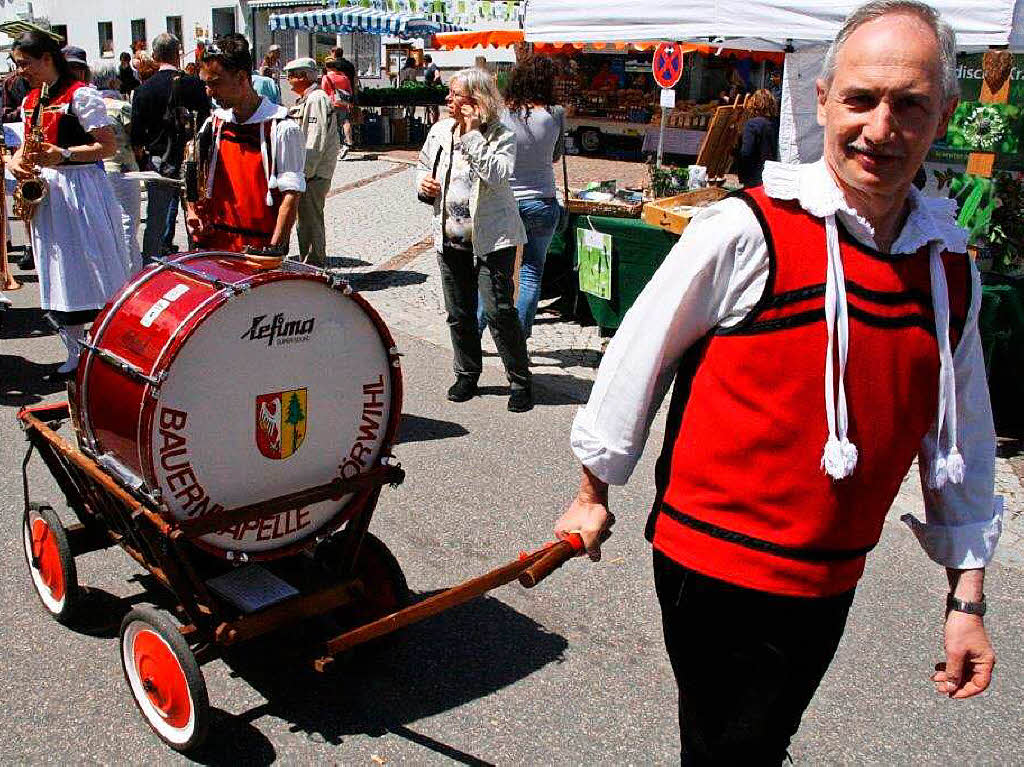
x,y
106,28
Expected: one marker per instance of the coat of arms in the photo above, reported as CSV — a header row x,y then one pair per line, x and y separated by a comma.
x,y
280,422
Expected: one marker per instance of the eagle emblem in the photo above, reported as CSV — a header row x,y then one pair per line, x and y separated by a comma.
x,y
280,422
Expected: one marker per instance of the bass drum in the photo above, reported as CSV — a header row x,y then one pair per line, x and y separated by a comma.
x,y
210,383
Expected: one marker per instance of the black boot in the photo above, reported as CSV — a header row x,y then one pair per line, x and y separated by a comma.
x,y
520,401
463,389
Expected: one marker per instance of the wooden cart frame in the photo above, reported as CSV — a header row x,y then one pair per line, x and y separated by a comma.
x,y
161,658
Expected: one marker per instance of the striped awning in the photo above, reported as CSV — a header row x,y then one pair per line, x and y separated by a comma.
x,y
263,5
16,28
358,19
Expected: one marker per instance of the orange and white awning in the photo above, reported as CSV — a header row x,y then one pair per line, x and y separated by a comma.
x,y
509,38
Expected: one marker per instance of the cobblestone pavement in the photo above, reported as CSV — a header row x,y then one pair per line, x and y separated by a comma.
x,y
378,237
581,169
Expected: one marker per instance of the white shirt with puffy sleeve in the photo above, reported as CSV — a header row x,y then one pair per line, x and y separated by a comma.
x,y
712,278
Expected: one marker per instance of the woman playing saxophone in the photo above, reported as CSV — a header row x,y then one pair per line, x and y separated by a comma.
x,y
81,255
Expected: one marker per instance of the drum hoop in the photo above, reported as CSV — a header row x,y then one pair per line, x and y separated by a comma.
x,y
188,326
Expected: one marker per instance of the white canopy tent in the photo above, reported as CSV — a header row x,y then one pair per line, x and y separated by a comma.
x,y
803,28
979,23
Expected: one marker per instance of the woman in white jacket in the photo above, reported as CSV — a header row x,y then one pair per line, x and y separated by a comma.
x,y
464,170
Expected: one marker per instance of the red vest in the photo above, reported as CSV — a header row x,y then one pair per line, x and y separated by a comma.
x,y
236,213
60,126
741,493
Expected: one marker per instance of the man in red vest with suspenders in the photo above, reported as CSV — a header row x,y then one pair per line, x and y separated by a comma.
x,y
835,277
253,159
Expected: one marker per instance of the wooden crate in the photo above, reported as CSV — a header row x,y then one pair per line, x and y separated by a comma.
x,y
660,213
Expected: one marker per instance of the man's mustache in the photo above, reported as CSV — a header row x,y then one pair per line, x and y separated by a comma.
x,y
862,148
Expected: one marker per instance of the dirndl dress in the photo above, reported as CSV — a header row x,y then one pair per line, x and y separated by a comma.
x,y
77,236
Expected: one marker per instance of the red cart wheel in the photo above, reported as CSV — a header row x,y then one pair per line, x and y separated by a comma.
x,y
50,562
164,678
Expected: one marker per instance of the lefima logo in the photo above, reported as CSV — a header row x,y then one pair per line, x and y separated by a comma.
x,y
278,329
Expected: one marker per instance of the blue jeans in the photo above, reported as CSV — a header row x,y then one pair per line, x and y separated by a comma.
x,y
161,216
540,217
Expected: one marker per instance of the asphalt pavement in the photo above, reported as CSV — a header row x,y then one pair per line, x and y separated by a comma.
x,y
573,672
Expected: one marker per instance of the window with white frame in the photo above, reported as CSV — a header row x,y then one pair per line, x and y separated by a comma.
x,y
106,33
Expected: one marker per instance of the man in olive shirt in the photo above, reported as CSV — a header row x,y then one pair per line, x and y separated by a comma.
x,y
316,116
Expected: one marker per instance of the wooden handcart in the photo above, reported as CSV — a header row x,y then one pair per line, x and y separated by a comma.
x,y
349,576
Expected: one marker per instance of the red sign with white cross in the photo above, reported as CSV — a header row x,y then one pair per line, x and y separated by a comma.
x,y
667,64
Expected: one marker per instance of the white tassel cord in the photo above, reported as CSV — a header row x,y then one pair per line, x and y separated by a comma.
x,y
948,464
839,458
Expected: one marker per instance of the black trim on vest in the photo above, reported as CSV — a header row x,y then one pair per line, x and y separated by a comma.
x,y
912,296
886,298
769,286
798,553
680,396
812,316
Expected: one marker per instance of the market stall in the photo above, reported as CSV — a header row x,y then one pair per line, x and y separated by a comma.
x,y
980,163
612,101
385,115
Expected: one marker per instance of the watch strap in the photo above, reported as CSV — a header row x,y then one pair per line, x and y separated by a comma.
x,y
963,606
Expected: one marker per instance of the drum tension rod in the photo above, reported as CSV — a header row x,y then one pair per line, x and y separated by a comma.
x,y
219,284
126,367
340,283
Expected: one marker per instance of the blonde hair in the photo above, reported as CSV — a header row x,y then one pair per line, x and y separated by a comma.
x,y
483,91
762,104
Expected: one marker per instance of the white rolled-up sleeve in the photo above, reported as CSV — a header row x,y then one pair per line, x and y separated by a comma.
x,y
713,276
963,521
290,162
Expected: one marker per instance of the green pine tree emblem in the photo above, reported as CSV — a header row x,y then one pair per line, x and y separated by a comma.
x,y
294,417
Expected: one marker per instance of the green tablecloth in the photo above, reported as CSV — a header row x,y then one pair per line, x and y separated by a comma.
x,y
1001,326
637,251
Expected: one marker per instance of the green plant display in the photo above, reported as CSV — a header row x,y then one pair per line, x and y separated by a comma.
x,y
976,198
667,181
1006,225
985,128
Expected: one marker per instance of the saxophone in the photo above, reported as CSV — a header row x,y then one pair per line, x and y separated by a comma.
x,y
195,168
30,192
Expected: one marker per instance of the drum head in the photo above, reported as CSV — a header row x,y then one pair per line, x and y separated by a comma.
x,y
280,389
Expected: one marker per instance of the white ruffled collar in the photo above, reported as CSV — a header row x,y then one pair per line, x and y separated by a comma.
x,y
931,219
931,222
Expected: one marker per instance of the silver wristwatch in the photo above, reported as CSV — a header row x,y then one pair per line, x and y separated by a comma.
x,y
65,153
963,606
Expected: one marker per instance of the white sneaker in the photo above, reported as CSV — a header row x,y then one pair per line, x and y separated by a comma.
x,y
344,151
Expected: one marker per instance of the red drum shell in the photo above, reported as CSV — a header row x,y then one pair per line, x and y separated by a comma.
x,y
260,383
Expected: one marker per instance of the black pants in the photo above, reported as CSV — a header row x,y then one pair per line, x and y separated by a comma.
x,y
747,663
463,277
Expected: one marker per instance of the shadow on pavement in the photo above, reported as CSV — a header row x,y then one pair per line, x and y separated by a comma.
x,y
345,262
21,381
21,322
385,278
445,662
417,428
563,358
233,741
549,389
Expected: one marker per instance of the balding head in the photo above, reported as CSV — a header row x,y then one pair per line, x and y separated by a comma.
x,y
883,98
